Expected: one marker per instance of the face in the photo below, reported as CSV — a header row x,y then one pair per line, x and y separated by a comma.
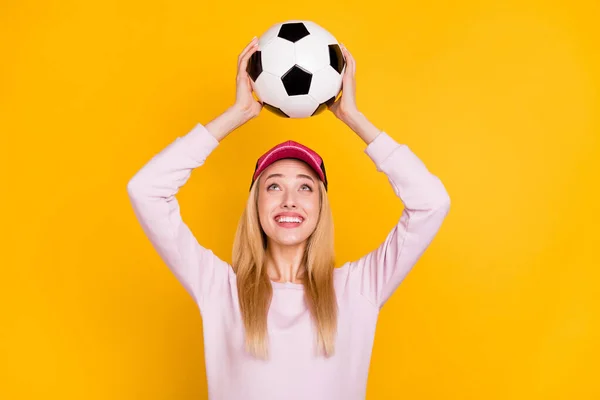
x,y
288,188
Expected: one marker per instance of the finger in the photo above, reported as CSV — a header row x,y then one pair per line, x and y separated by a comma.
x,y
248,47
352,63
244,61
349,60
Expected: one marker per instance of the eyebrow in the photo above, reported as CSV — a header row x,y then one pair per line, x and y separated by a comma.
x,y
297,176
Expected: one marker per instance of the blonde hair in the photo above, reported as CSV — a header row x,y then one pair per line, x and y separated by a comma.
x,y
254,285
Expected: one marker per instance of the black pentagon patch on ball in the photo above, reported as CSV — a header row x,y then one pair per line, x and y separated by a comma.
x,y
296,81
293,31
336,58
323,106
275,110
254,67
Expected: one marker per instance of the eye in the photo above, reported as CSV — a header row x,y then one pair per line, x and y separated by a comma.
x,y
303,187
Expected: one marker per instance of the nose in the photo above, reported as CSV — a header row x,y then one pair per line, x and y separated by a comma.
x,y
288,201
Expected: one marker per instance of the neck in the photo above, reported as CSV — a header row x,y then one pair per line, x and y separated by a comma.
x,y
284,263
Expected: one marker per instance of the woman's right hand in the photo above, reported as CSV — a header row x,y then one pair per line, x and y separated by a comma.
x,y
244,101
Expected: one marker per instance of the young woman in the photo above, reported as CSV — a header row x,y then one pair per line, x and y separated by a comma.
x,y
281,321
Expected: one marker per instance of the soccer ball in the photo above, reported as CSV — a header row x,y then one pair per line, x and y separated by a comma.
x,y
296,72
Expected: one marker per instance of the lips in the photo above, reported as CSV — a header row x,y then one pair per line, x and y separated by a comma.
x,y
288,220
289,215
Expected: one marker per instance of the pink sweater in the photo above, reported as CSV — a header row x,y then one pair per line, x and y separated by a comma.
x,y
362,286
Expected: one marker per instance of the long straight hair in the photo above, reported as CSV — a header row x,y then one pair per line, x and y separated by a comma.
x,y
254,285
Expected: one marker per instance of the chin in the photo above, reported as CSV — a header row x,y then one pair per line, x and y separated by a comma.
x,y
281,237
288,240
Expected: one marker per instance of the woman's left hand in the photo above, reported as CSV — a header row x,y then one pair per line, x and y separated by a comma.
x,y
345,106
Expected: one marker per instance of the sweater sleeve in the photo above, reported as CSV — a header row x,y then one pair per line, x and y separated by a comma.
x,y
426,204
152,193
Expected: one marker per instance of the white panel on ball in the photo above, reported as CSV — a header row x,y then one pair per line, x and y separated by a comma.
x,y
278,56
325,84
299,106
312,53
269,89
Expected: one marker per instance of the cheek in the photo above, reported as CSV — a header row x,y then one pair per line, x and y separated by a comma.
x,y
311,206
265,206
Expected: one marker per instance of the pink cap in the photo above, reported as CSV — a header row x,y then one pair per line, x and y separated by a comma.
x,y
291,149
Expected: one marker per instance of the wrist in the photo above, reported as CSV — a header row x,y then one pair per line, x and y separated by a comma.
x,y
360,124
240,114
228,121
350,117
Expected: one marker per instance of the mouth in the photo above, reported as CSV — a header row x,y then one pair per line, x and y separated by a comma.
x,y
288,221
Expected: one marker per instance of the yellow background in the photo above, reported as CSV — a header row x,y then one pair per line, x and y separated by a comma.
x,y
499,99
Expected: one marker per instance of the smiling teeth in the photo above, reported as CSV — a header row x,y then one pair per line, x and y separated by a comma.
x,y
289,219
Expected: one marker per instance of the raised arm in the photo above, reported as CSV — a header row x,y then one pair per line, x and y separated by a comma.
x,y
152,192
426,202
